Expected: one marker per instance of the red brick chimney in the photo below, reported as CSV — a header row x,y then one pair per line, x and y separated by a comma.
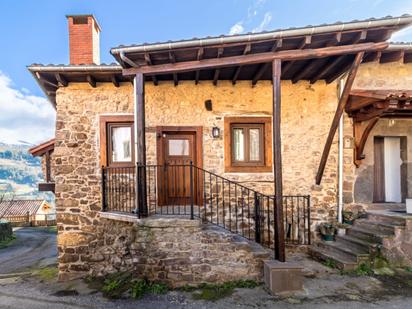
x,y
84,39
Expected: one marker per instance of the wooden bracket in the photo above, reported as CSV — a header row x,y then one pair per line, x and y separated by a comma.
x,y
361,131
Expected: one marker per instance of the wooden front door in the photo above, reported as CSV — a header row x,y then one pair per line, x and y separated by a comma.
x,y
176,149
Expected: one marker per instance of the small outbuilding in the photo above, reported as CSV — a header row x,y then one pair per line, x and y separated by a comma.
x,y
28,212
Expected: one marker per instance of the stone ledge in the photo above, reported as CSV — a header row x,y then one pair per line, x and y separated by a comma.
x,y
155,221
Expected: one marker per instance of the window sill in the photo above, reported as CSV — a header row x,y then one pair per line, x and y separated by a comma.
x,y
248,169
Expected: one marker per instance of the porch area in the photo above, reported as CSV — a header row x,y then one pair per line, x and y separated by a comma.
x,y
187,191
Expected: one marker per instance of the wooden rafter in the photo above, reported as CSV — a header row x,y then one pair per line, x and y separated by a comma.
x,y
217,71
200,52
114,80
302,73
172,59
325,70
61,80
246,51
285,55
149,62
91,80
345,67
306,41
339,111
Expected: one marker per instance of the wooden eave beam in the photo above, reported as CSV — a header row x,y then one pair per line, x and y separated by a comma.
x,y
45,81
262,69
61,80
149,62
339,111
286,55
91,81
306,41
356,103
392,56
336,39
345,67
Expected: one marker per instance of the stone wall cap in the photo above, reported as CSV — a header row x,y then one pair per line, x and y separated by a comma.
x,y
156,221
274,264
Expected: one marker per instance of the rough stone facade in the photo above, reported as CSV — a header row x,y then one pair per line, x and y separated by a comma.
x,y
307,111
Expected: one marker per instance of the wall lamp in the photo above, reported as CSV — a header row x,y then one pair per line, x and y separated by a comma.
x,y
215,132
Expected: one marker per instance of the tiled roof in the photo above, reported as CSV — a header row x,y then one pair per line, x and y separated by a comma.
x,y
19,207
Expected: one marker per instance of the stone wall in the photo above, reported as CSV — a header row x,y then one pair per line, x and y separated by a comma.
x,y
177,252
307,112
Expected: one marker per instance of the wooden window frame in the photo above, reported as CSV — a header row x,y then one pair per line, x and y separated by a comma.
x,y
261,166
106,123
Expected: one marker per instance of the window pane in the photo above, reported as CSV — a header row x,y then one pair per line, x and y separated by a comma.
x,y
254,148
178,147
121,144
238,145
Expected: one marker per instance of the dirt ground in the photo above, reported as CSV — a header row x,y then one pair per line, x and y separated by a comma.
x,y
33,286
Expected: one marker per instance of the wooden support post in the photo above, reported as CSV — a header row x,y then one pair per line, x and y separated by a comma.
x,y
48,171
339,111
277,162
141,145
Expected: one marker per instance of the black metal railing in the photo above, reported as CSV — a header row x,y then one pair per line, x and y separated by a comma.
x,y
195,192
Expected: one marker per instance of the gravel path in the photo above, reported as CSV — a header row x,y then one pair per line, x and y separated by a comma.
x,y
33,247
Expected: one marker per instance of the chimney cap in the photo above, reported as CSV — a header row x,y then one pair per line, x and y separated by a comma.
x,y
86,15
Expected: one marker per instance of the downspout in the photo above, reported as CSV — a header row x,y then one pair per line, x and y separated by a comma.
x,y
340,156
135,139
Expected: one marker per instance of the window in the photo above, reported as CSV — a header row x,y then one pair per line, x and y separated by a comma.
x,y
117,140
248,144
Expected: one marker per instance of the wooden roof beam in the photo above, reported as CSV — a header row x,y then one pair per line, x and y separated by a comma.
x,y
200,52
345,66
217,71
285,55
360,36
339,111
149,62
46,81
392,56
172,59
337,37
360,138
114,80
126,59
61,80
325,70
308,68
91,80
248,48
265,66
306,41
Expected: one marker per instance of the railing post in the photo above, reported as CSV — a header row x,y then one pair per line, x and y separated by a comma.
x,y
104,206
309,232
257,218
191,191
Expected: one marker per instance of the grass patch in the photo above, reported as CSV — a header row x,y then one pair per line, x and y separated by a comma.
x,y
7,242
47,273
119,284
329,263
213,292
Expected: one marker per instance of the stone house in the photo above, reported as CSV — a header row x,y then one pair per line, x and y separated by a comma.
x,y
183,130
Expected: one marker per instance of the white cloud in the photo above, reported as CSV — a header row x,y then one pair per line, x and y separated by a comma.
x,y
236,28
24,117
264,23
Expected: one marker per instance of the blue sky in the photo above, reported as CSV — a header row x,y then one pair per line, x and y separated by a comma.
x,y
35,31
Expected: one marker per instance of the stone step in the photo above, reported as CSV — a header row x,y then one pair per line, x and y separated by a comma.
x,y
357,243
341,261
386,217
343,249
370,235
384,227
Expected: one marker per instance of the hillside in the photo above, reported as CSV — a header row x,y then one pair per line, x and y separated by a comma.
x,y
20,172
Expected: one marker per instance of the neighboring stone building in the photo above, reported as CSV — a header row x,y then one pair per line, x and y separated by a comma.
x,y
218,115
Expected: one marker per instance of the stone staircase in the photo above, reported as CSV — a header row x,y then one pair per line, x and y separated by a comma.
x,y
361,243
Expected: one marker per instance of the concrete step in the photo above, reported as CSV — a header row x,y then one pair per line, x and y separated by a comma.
x,y
387,228
370,235
341,261
357,243
386,217
344,249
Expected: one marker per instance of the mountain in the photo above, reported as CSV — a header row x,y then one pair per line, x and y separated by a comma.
x,y
20,172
